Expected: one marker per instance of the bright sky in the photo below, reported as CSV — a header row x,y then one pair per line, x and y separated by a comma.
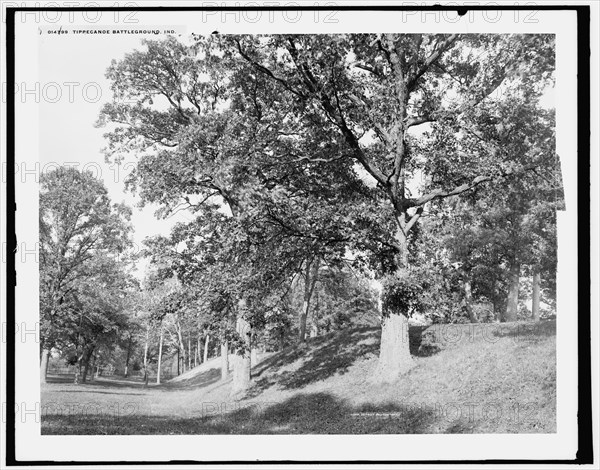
x,y
72,90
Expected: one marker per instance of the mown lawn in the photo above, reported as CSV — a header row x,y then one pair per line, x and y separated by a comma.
x,y
486,378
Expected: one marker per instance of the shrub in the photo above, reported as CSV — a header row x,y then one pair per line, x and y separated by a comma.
x,y
402,292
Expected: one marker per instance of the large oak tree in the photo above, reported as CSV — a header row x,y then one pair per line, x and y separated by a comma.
x,y
370,90
256,121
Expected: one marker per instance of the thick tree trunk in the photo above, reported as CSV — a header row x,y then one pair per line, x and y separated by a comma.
x,y
402,244
224,360
311,275
469,302
86,368
253,356
206,340
394,354
513,292
44,365
241,367
535,300
160,347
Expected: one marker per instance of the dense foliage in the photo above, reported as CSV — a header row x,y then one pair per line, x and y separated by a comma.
x,y
316,167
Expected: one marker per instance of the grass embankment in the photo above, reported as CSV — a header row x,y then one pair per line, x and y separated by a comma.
x,y
478,378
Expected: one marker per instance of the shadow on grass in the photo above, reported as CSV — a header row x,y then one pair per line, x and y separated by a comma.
x,y
323,357
60,379
201,380
108,382
317,413
525,331
120,393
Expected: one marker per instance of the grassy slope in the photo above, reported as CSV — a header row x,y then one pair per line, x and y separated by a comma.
x,y
483,379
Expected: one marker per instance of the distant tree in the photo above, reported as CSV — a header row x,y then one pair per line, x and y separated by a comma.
x,y
99,312
341,297
490,234
80,229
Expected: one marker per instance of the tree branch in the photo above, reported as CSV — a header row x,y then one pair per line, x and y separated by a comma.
x,y
268,72
439,49
413,219
440,193
372,70
361,102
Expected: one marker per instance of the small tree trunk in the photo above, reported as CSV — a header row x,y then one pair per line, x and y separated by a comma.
x,y
206,340
128,356
189,352
86,366
197,359
253,350
241,368
469,302
97,363
513,292
224,360
94,361
160,346
181,347
316,311
79,365
146,354
178,362
535,301
44,365
303,316
310,279
281,341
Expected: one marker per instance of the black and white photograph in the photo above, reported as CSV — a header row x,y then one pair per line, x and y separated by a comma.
x,y
310,234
